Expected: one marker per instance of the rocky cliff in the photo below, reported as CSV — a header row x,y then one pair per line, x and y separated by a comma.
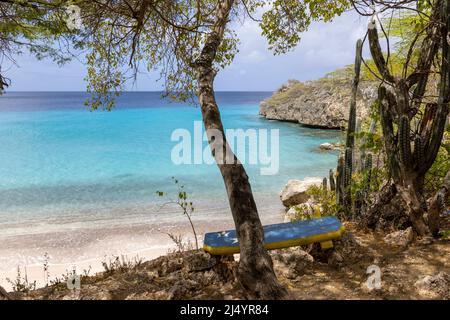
x,y
321,103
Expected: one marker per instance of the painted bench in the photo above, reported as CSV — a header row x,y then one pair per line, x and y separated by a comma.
x,y
281,235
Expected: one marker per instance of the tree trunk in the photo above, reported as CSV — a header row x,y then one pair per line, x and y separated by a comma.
x,y
373,214
416,209
4,294
255,272
437,205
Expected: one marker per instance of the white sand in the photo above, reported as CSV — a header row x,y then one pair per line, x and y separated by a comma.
x,y
86,245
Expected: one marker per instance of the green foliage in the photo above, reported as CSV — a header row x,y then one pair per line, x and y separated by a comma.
x,y
185,204
403,28
344,73
286,19
326,198
323,204
168,36
435,176
124,38
445,234
36,27
287,93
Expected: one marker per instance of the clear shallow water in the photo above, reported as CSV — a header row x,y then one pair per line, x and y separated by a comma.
x,y
59,160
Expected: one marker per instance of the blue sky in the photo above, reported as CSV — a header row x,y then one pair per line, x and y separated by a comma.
x,y
324,48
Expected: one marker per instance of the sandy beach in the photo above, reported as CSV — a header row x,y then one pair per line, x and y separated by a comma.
x,y
84,245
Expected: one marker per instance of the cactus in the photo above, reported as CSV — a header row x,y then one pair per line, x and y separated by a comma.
x,y
345,166
348,167
367,174
347,176
372,128
350,141
332,182
418,151
398,104
368,163
340,182
404,143
324,184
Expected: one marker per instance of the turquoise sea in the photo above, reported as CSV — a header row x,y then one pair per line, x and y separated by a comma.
x,y
80,184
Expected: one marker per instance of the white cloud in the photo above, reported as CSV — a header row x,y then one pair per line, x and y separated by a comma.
x,y
324,48
255,56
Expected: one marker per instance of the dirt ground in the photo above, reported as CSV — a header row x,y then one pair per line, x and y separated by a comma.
x,y
418,271
342,274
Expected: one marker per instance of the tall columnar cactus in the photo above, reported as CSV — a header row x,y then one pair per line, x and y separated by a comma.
x,y
340,181
332,182
418,151
351,127
367,174
400,100
324,184
348,167
372,128
368,163
404,142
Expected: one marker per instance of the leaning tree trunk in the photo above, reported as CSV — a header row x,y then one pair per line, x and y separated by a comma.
x,y
255,271
4,294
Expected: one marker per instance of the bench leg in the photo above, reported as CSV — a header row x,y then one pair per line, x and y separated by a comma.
x,y
326,245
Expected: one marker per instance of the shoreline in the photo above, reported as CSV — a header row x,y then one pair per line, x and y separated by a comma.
x,y
86,248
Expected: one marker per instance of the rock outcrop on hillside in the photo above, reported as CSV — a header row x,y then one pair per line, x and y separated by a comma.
x,y
321,103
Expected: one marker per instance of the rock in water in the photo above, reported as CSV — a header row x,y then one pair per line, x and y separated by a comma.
x,y
294,192
326,146
400,238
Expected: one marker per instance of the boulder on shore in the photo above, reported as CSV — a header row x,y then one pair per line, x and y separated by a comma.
x,y
294,192
326,146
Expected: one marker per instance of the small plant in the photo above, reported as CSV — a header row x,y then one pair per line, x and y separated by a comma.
x,y
64,277
46,269
326,199
324,204
86,272
120,263
21,283
305,211
185,204
180,243
444,234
